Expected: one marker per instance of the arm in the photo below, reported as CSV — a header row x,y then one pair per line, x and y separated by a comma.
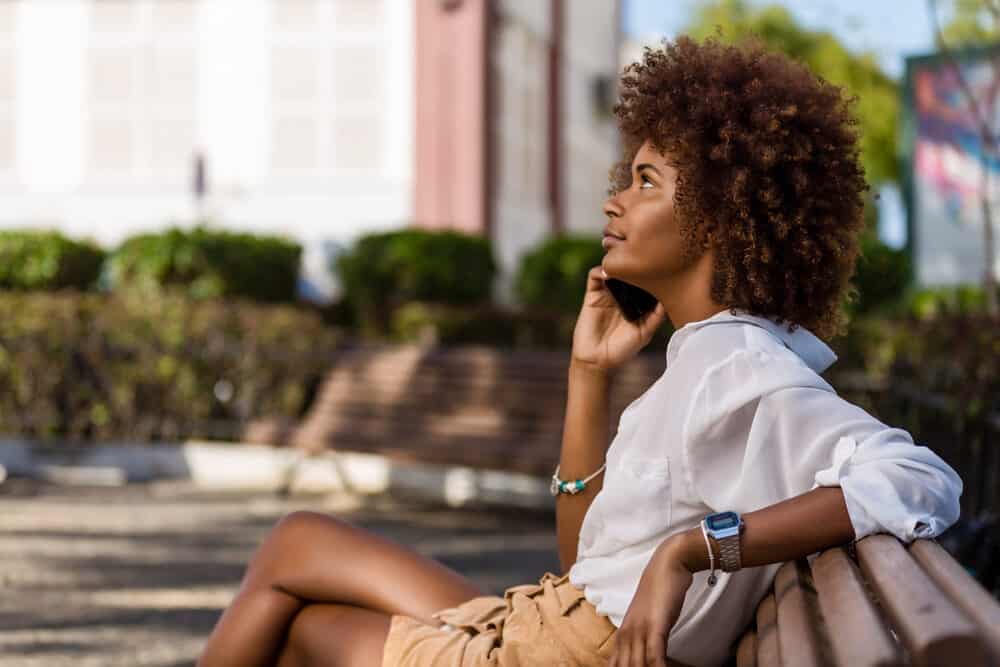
x,y
751,444
784,531
787,530
584,446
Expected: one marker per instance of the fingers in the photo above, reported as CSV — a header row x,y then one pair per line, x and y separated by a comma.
x,y
638,654
656,651
635,649
595,278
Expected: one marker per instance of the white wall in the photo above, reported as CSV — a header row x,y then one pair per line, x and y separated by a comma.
x,y
521,211
303,109
589,135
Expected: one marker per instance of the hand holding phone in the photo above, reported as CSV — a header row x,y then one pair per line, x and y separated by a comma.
x,y
634,302
615,322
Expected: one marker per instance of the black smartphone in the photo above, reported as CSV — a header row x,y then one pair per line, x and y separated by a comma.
x,y
634,302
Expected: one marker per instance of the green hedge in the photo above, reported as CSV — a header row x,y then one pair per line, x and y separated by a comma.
x,y
485,324
883,276
47,260
385,270
151,367
554,274
208,263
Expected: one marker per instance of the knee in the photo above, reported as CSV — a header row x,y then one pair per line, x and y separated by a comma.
x,y
309,636
300,633
287,536
300,522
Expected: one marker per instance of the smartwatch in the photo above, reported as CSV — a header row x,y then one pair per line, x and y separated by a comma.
x,y
725,528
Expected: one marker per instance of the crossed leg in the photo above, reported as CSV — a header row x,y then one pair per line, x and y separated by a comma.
x,y
317,580
328,635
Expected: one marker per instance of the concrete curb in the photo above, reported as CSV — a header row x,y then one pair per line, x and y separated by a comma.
x,y
237,466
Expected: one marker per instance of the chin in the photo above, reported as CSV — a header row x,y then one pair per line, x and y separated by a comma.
x,y
624,273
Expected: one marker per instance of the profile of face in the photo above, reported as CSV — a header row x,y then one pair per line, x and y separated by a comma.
x,y
650,250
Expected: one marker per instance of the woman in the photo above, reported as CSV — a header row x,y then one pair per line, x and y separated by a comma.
x,y
738,206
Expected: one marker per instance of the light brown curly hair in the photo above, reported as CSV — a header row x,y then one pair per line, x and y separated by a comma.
x,y
769,173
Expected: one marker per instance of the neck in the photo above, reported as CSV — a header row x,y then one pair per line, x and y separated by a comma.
x,y
686,296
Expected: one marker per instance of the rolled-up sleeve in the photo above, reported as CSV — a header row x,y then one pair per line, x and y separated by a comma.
x,y
765,429
893,485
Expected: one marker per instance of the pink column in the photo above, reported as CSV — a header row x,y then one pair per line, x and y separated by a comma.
x,y
452,174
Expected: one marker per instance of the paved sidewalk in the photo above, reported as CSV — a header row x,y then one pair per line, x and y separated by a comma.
x,y
138,575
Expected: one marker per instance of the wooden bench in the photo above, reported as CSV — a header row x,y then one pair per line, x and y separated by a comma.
x,y
878,602
874,603
471,405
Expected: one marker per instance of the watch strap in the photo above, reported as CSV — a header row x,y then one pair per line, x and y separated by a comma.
x,y
729,552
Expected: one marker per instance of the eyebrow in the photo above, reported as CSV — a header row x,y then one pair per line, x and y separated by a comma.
x,y
646,165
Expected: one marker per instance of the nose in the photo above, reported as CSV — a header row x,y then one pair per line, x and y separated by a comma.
x,y
612,207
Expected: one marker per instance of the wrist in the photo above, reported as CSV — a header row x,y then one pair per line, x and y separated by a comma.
x,y
692,550
588,371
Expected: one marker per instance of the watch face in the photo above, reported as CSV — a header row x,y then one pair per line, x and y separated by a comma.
x,y
722,520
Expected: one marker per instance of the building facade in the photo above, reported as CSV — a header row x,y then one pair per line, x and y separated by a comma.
x,y
318,119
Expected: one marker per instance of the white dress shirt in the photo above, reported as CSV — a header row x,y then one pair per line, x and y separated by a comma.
x,y
740,420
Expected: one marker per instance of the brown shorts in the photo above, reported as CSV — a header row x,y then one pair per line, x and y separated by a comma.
x,y
548,623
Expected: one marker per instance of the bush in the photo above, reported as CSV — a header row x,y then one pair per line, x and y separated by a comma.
x,y
882,276
485,324
47,260
934,302
208,263
152,367
555,273
385,270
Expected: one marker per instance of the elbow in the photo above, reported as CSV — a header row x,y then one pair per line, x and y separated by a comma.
x,y
906,501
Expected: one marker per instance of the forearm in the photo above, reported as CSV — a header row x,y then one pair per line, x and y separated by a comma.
x,y
788,530
584,447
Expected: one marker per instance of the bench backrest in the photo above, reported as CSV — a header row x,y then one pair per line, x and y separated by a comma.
x,y
885,604
469,405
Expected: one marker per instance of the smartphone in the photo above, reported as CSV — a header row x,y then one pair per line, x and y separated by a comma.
x,y
634,302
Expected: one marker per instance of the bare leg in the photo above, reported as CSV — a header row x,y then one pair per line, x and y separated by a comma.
x,y
333,635
311,557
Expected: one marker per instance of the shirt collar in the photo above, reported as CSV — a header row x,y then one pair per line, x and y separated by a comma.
x,y
813,351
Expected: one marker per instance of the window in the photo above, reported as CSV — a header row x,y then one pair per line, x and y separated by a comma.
x,y
327,87
141,92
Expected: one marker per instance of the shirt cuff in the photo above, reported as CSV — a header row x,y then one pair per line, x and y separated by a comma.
x,y
876,505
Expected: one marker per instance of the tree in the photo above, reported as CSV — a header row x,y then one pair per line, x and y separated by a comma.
x,y
877,110
972,22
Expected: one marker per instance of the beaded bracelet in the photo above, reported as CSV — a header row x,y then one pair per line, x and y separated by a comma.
x,y
571,486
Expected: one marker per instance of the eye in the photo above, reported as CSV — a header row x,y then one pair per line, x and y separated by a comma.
x,y
645,180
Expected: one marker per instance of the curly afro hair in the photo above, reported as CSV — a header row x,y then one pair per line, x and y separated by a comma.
x,y
769,173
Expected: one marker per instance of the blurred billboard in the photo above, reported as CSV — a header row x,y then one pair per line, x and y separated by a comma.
x,y
943,161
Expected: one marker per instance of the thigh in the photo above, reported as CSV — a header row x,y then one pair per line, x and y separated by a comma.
x,y
327,559
335,635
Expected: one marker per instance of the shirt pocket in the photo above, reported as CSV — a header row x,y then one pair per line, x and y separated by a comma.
x,y
637,502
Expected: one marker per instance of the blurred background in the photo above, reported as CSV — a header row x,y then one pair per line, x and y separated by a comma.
x,y
246,234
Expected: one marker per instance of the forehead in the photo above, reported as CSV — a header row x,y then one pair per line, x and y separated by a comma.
x,y
647,153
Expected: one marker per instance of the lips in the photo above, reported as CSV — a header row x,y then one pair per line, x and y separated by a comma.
x,y
608,231
610,240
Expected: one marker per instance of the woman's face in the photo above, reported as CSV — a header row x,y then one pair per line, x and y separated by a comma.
x,y
651,253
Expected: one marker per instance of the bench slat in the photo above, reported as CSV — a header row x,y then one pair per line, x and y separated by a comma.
x,y
768,647
799,625
962,589
860,634
933,630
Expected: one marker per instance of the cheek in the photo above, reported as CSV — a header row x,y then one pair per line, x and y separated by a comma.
x,y
661,237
